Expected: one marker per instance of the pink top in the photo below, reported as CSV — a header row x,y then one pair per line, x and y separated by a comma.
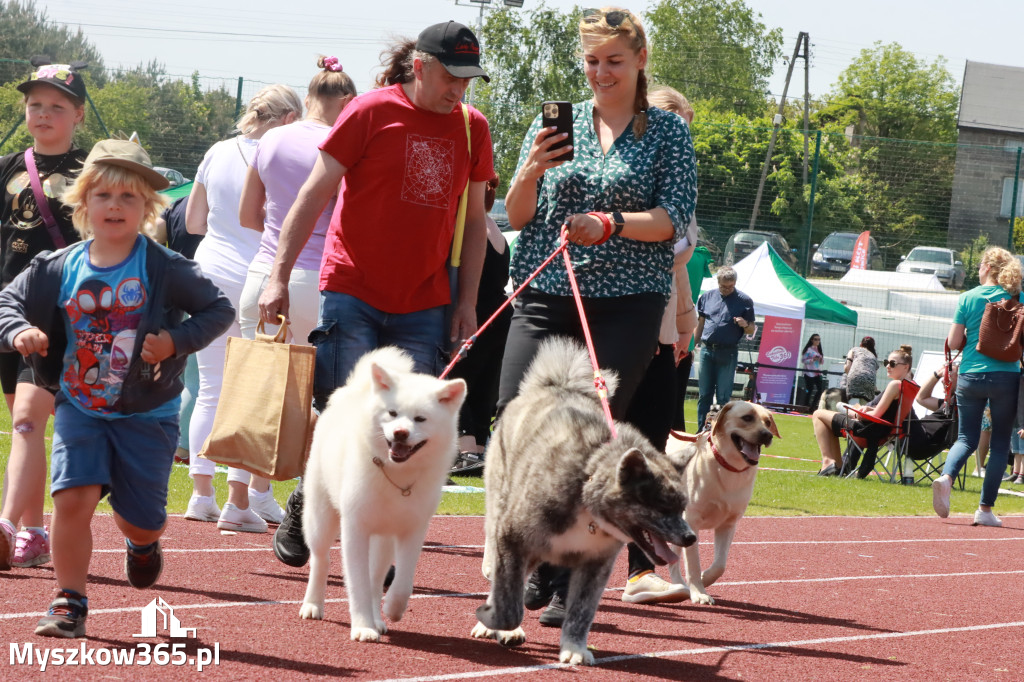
x,y
283,159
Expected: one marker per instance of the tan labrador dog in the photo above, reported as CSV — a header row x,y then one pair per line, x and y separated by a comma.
x,y
718,475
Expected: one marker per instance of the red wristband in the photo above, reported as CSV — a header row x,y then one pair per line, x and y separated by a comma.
x,y
606,223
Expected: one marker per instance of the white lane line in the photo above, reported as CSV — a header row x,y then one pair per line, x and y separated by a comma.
x,y
428,548
679,653
447,595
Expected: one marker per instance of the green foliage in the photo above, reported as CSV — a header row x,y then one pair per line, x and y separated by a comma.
x,y
888,92
971,257
531,56
713,50
1018,235
26,31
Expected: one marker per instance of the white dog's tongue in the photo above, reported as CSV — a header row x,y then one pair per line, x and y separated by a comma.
x,y
750,451
662,550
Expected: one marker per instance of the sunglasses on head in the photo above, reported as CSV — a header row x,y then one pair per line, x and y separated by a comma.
x,y
892,363
613,18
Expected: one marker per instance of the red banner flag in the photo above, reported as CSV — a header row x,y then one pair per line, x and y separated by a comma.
x,y
860,252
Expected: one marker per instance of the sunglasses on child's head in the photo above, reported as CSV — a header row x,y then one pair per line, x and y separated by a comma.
x,y
892,364
613,18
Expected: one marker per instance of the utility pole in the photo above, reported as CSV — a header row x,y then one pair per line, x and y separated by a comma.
x,y
480,27
800,41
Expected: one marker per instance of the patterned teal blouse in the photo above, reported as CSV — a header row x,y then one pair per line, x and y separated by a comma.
x,y
660,169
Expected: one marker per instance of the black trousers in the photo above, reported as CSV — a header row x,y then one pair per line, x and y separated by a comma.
x,y
682,381
624,330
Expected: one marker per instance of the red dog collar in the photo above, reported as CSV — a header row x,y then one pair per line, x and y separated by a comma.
x,y
721,460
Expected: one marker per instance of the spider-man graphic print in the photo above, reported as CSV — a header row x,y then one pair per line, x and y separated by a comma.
x,y
102,308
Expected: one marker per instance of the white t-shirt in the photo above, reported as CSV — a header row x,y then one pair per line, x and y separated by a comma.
x,y
228,248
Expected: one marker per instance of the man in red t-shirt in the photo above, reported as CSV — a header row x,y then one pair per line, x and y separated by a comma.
x,y
402,157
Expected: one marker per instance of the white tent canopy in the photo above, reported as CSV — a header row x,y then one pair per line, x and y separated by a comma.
x,y
893,280
780,292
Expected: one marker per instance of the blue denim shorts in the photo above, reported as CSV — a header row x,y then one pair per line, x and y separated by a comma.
x,y
129,458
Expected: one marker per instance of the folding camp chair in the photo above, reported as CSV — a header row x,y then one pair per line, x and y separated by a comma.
x,y
883,452
923,452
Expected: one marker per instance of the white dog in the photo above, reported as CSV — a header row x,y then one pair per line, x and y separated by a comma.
x,y
381,453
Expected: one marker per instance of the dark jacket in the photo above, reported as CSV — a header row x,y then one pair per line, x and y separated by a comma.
x,y
176,286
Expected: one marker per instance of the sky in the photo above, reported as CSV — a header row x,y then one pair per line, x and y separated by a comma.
x,y
278,41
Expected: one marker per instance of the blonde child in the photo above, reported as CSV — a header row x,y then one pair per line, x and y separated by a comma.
x,y
114,355
32,220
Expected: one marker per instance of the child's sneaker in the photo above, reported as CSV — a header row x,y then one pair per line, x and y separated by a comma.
x,y
143,568
66,617
7,542
202,508
31,548
266,506
244,520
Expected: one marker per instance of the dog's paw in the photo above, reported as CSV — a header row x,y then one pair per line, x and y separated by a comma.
x,y
574,654
701,597
394,608
481,631
311,612
365,635
511,638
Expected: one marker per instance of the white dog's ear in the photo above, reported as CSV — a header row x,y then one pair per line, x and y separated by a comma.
x,y
719,418
453,391
632,465
382,380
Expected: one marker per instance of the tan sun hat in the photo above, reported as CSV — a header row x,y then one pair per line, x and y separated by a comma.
x,y
128,155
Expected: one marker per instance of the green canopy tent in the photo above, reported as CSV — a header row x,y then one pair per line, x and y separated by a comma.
x,y
778,291
179,191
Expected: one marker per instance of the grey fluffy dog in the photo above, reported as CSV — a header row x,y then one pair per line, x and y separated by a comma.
x,y
560,490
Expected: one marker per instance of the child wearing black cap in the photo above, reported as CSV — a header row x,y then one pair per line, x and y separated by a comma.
x,y
102,324
33,219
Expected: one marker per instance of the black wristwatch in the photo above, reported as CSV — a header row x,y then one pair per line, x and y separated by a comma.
x,y
619,221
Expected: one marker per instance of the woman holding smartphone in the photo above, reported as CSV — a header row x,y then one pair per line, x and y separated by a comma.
x,y
626,198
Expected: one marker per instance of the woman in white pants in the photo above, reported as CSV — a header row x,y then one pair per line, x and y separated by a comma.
x,y
225,255
282,162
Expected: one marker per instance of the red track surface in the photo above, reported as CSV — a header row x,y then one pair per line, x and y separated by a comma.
x,y
802,599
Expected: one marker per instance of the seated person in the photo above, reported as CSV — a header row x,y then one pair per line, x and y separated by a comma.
x,y
936,431
829,425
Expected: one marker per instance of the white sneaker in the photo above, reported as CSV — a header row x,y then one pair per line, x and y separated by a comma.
x,y
649,588
202,508
941,488
986,518
244,520
266,506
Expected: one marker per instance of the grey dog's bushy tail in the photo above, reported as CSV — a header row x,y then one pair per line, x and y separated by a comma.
x,y
562,363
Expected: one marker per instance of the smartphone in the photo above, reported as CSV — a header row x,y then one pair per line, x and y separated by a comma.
x,y
559,115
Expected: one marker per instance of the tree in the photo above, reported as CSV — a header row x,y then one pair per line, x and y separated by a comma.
x,y
531,56
26,31
888,92
713,50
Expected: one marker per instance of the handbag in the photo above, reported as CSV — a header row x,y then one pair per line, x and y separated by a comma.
x,y
455,260
42,202
263,416
1001,333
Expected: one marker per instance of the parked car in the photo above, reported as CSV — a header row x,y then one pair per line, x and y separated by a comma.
x,y
932,260
743,242
173,176
833,255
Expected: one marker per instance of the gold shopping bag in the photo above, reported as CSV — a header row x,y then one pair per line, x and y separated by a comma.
x,y
263,415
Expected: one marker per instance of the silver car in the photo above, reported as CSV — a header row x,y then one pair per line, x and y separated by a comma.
x,y
933,260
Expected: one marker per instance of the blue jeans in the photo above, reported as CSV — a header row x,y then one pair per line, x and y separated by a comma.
x,y
717,371
350,328
972,392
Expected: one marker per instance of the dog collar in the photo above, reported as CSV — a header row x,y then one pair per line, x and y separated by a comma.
x,y
721,460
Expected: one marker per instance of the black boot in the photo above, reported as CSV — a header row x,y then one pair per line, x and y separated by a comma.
x,y
289,544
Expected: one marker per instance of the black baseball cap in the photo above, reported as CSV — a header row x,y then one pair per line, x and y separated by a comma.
x,y
455,46
64,77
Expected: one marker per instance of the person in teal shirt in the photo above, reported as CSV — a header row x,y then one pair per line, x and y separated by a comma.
x,y
981,378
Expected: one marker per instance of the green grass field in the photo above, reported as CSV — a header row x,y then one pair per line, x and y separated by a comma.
x,y
777,493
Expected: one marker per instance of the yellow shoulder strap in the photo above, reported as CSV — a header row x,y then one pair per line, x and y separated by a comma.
x,y
460,220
